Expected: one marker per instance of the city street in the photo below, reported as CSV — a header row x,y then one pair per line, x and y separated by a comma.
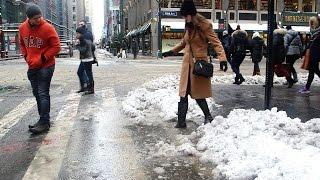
x,y
94,137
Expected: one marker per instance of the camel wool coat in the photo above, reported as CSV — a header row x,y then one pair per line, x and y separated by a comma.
x,y
202,33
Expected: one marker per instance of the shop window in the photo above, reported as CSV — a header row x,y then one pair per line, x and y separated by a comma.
x,y
264,5
291,5
232,16
307,6
248,5
218,15
218,4
264,17
207,15
231,5
247,16
203,4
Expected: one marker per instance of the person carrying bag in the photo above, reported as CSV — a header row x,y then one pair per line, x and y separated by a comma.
x,y
198,31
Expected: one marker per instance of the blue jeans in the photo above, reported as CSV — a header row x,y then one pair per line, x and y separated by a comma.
x,y
40,80
83,78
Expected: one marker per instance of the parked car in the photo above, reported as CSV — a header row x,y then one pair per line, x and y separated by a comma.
x,y
66,49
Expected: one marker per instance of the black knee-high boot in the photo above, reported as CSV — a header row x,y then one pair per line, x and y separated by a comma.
x,y
205,109
182,112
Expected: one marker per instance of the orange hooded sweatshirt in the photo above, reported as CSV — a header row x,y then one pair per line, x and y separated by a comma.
x,y
39,41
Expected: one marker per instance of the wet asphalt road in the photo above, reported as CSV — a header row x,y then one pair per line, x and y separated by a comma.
x,y
101,143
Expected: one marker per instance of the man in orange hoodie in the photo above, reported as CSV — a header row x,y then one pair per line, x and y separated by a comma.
x,y
39,43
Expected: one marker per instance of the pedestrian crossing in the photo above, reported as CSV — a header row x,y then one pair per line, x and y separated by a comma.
x,y
47,162
15,115
49,159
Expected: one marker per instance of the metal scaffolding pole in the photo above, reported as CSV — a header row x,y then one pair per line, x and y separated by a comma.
x,y
269,70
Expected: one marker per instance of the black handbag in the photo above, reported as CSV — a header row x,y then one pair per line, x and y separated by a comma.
x,y
202,67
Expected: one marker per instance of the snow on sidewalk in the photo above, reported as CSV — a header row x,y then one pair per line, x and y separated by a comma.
x,y
247,144
250,144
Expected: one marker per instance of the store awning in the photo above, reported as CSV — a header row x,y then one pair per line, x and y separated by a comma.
x,y
179,24
131,33
141,30
301,28
144,28
250,26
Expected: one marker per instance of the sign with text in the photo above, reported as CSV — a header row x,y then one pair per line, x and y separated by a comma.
x,y
296,19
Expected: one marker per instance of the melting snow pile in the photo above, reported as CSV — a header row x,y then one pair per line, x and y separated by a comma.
x,y
251,144
160,95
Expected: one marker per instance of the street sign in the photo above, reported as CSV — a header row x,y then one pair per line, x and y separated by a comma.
x,y
170,13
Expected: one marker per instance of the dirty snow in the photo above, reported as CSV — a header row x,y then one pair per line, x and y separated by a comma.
x,y
250,144
160,96
247,144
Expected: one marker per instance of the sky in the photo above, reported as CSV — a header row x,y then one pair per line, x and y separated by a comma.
x,y
98,18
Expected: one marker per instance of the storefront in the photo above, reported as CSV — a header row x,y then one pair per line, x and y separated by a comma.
x,y
298,21
143,36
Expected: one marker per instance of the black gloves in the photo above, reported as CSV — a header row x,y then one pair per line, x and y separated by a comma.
x,y
168,53
95,61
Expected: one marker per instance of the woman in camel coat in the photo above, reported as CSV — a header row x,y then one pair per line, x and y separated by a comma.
x,y
198,33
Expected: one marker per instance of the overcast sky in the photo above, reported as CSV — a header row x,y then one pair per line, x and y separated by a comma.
x,y
98,18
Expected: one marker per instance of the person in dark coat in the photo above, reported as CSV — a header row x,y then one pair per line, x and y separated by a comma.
x,y
293,45
314,53
88,34
226,43
86,49
257,48
135,48
239,45
279,56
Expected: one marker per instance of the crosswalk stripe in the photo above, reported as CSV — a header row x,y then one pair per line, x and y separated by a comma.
x,y
47,162
10,119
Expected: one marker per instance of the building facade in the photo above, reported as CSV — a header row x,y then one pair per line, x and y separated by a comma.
x,y
251,15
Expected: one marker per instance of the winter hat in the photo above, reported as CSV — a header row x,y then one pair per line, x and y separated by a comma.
x,y
188,8
225,32
256,34
33,10
81,30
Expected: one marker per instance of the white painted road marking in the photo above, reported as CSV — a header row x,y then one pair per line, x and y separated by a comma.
x,y
47,162
10,119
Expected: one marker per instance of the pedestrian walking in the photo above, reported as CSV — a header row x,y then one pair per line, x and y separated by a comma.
x,y
39,44
314,49
293,46
279,56
135,48
198,31
239,45
257,48
84,82
86,49
88,34
226,43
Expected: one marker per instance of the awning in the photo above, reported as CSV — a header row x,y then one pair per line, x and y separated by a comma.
x,y
179,24
141,30
250,26
301,28
131,32
144,28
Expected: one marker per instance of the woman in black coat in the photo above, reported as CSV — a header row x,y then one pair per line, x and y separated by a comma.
x,y
279,56
257,48
314,53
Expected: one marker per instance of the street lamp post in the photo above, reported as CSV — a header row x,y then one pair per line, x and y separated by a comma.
x,y
269,70
159,53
